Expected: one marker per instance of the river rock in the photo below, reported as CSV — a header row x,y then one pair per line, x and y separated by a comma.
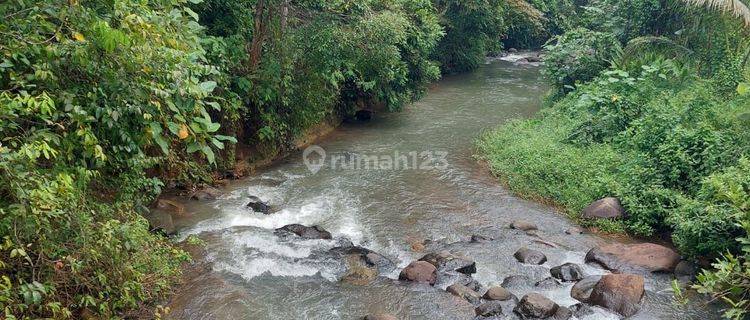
x,y
523,225
547,283
635,257
497,293
452,277
380,316
314,232
170,206
489,309
258,205
567,272
562,313
368,257
620,293
582,289
160,222
581,310
607,208
419,271
534,58
685,270
446,261
530,256
464,292
536,306
207,193
358,271
512,50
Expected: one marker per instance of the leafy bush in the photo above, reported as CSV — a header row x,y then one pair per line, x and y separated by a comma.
x,y
578,55
531,24
92,95
473,28
650,139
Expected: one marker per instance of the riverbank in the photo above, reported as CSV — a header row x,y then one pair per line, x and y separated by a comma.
x,y
398,216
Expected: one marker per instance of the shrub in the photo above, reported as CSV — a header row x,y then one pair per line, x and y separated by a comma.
x,y
472,29
578,55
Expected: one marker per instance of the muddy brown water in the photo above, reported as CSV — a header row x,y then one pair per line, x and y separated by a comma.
x,y
400,213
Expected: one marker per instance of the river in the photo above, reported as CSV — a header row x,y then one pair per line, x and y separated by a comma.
x,y
401,213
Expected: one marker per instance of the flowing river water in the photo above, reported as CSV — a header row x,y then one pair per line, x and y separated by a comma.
x,y
255,273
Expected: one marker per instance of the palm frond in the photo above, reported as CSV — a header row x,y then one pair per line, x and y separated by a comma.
x,y
734,7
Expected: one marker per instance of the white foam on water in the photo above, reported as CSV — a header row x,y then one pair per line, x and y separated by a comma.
x,y
269,243
253,267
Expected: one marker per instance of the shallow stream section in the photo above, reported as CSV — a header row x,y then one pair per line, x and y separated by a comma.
x,y
403,213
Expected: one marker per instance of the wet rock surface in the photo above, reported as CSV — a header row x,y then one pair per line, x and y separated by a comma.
x,y
207,193
464,292
536,306
489,309
419,271
447,261
634,258
530,256
621,293
567,272
497,293
314,232
582,289
607,208
258,205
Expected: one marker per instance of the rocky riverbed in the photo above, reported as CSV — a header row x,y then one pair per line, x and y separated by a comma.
x,y
435,242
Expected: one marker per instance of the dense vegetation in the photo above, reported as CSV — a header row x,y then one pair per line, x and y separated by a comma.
x,y
105,103
649,104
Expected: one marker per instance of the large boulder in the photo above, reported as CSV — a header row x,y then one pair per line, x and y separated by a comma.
x,y
419,271
497,293
207,193
536,306
620,293
567,272
464,292
314,232
582,289
523,225
634,258
530,256
607,208
446,261
258,205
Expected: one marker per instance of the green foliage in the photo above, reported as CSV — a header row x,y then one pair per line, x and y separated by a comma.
x,y
650,138
328,59
728,193
578,56
92,95
531,24
473,29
